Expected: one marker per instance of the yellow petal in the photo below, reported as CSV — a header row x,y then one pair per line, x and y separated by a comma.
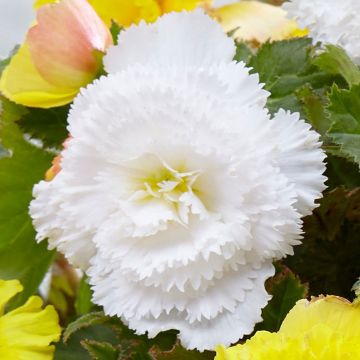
x,y
257,22
179,5
26,333
39,3
323,329
263,346
126,12
22,83
336,313
8,289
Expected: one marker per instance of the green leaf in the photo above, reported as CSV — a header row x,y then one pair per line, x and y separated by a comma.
x,y
344,110
328,258
25,164
5,62
286,289
335,61
83,302
314,105
340,171
100,350
286,66
179,353
137,345
243,52
115,30
73,350
84,322
47,125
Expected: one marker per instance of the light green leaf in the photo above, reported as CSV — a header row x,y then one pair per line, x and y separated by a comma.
x,y
83,302
344,110
5,62
115,30
100,350
22,167
243,52
335,61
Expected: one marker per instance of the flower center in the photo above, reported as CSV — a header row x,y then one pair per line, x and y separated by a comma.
x,y
170,184
163,189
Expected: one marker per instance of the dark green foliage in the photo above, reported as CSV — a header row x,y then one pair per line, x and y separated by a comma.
x,y
47,125
328,259
119,343
179,353
286,289
341,172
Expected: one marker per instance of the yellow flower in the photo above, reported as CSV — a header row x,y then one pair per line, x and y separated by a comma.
x,y
322,329
26,332
61,54
128,12
257,22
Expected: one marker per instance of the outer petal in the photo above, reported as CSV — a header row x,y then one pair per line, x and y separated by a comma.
x,y
8,289
126,12
22,83
300,158
163,45
256,21
25,333
64,40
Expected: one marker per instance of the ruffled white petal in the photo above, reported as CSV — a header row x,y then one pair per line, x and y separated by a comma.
x,y
61,232
221,314
200,43
330,22
300,158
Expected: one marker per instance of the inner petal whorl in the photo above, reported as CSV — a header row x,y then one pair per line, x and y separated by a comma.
x,y
153,179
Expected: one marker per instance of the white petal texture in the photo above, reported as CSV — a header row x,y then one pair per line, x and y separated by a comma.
x,y
177,189
330,22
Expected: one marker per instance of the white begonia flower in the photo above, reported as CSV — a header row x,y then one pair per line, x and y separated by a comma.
x,y
329,22
177,189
